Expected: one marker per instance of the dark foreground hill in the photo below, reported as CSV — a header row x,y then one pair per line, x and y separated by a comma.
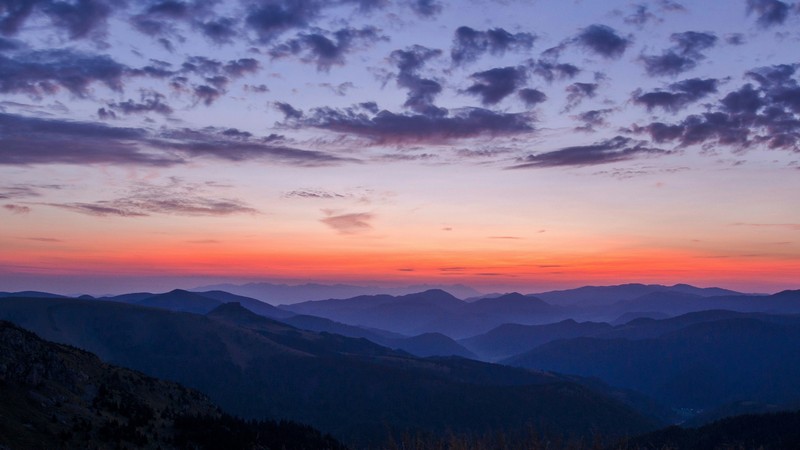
x,y
56,396
776,431
259,368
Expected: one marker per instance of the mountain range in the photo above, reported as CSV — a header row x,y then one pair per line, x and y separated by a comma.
x,y
256,367
655,361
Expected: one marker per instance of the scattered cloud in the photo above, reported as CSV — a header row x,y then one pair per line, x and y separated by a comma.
x,y
470,44
603,40
421,91
40,72
44,239
426,8
77,20
768,12
494,85
16,209
678,95
327,49
29,140
765,114
350,223
313,193
551,71
616,149
592,119
531,97
175,198
149,102
14,191
684,55
387,127
577,92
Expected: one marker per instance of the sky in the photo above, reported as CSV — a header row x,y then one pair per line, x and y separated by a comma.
x,y
506,145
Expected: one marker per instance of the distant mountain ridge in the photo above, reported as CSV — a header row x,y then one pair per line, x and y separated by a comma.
x,y
279,294
607,295
430,311
690,362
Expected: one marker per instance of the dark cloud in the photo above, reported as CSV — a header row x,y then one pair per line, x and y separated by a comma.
x,y
593,118
16,209
603,40
470,44
678,95
388,127
219,144
426,8
289,111
616,149
28,140
207,94
640,16
175,198
78,18
326,50
46,71
531,97
221,30
272,18
769,12
351,223
577,92
237,68
554,71
735,39
766,114
684,55
237,134
421,91
10,44
13,15
693,43
494,85
149,102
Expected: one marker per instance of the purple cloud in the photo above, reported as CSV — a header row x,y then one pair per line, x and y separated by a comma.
x,y
470,44
616,149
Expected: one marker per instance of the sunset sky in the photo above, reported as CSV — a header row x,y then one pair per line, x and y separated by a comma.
x,y
506,145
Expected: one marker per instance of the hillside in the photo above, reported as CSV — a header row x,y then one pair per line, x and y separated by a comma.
x,y
699,366
260,368
56,396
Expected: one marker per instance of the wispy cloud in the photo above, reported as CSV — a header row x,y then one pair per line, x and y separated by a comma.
x,y
31,140
175,198
16,209
617,149
349,223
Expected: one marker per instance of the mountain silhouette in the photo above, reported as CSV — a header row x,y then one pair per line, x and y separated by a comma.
x,y
257,367
56,396
698,366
